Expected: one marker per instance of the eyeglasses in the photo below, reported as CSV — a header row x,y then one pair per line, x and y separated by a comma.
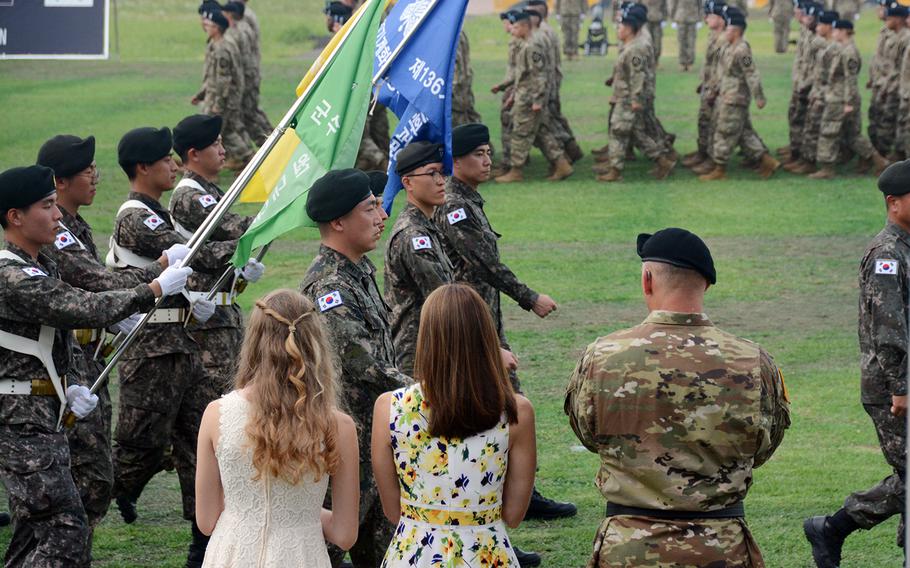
x,y
438,176
93,173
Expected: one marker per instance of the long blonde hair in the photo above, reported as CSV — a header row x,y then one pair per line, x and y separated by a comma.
x,y
286,362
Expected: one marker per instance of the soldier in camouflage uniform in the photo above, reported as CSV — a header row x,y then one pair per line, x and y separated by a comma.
x,y
675,499
570,14
341,282
657,13
223,87
255,122
883,304
781,12
714,20
902,137
463,111
164,388
848,9
50,527
807,45
415,262
889,89
685,14
878,69
506,86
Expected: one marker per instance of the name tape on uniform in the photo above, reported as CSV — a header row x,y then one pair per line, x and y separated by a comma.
x,y
421,242
64,240
885,266
32,271
329,301
456,216
207,201
153,222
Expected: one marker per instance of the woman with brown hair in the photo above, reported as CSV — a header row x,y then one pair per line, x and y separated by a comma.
x,y
454,455
268,449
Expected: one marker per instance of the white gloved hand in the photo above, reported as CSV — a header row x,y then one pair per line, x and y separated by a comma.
x,y
176,253
125,326
173,279
203,310
80,400
253,270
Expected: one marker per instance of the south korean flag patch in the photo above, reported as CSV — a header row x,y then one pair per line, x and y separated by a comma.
x,y
329,301
457,216
885,266
207,201
421,243
64,240
153,222
32,271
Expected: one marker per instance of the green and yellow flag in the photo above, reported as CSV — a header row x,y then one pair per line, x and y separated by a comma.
x,y
323,135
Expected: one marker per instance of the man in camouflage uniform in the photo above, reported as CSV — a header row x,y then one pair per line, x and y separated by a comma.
x,y
889,88
684,14
657,13
463,111
506,86
163,386
902,136
341,282
807,45
878,68
50,527
883,304
570,14
848,9
781,12
718,401
255,122
714,20
223,87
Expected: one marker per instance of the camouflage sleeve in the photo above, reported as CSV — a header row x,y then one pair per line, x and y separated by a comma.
x,y
851,76
887,313
538,78
775,409
579,402
77,267
904,87
636,74
423,264
753,79
238,79
222,82
190,207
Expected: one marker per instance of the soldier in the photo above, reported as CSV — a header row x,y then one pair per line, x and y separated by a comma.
x,y
415,263
806,46
685,16
74,252
163,385
570,15
739,83
886,129
255,122
657,13
781,12
714,20
223,87
718,402
506,86
902,137
50,527
883,372
250,16
848,9
463,111
341,281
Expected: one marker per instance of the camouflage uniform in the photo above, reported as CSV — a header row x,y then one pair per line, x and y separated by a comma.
x,y
686,14
902,139
652,125
739,84
806,47
373,153
570,12
781,12
222,94
556,121
847,9
821,70
657,13
242,37
531,87
883,368
505,111
890,91
357,321
78,264
221,336
163,386
463,111
707,89
415,265
719,402
878,73
50,528
471,244
250,17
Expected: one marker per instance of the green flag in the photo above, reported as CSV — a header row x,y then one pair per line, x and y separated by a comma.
x,y
324,135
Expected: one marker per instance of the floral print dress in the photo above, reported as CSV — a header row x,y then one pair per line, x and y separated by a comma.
x,y
451,492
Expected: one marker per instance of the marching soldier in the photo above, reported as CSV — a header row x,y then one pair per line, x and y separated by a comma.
x,y
506,86
902,137
341,282
657,13
685,15
463,111
570,14
893,53
848,9
807,45
714,20
883,373
781,12
718,401
255,122
37,312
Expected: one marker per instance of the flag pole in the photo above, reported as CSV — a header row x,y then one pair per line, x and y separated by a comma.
x,y
385,66
208,226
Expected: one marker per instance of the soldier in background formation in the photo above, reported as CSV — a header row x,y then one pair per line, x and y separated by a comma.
x,y
781,12
886,79
463,111
255,120
848,9
656,14
685,15
807,46
570,14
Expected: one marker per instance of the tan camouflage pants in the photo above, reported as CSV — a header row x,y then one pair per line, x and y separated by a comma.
x,y
902,141
255,122
732,128
686,34
657,36
705,111
569,24
237,143
624,541
839,130
797,113
883,121
781,34
628,127
528,128
505,122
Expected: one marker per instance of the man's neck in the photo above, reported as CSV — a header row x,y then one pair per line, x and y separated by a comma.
x,y
343,249
467,183
71,208
895,221
191,169
147,191
683,303
28,246
424,208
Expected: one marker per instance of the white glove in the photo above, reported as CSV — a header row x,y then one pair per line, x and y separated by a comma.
x,y
203,310
125,326
175,253
253,270
80,400
173,279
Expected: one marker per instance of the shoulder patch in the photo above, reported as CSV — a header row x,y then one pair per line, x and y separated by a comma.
x,y
64,240
329,301
32,271
636,61
885,266
747,61
153,222
207,200
457,216
421,242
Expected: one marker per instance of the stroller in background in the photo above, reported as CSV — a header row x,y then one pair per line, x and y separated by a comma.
x,y
597,42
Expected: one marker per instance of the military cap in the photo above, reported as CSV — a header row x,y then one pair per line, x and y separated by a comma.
x,y
715,7
537,2
378,181
338,11
505,15
895,180
237,8
217,18
518,16
197,131
678,247
813,9
734,17
636,11
897,10
67,155
532,13
144,145
843,25
336,193
417,154
828,17
467,137
208,6
20,187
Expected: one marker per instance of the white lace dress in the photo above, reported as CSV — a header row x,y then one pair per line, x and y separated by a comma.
x,y
266,523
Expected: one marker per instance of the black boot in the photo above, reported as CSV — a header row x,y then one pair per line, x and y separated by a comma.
x,y
543,508
827,535
526,558
4,519
197,548
127,508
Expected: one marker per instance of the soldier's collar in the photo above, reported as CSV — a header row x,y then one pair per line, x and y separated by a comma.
x,y
677,318
43,259
899,232
459,187
205,183
358,269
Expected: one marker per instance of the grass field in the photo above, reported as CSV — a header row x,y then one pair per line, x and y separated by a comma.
x,y
787,252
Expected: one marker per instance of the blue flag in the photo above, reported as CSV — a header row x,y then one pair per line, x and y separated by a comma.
x,y
417,85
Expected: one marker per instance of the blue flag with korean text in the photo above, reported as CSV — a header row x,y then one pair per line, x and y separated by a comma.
x,y
417,84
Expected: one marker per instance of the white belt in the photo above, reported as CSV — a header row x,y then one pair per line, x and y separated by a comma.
x,y
38,387
169,315
220,298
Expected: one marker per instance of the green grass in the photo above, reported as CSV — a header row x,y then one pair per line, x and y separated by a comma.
x,y
787,251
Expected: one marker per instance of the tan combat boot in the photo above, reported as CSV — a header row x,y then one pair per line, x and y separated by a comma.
x,y
878,163
613,175
602,150
718,173
703,168
561,170
804,168
826,172
601,168
767,166
783,151
603,157
664,166
794,165
692,159
513,175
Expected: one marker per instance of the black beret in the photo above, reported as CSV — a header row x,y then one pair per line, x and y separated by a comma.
x,y
635,12
468,137
734,17
336,193
144,145
237,8
537,2
680,248
338,11
843,25
217,18
197,131
895,180
897,10
378,181
504,15
20,187
518,16
208,6
532,13
67,155
417,154
828,17
715,7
